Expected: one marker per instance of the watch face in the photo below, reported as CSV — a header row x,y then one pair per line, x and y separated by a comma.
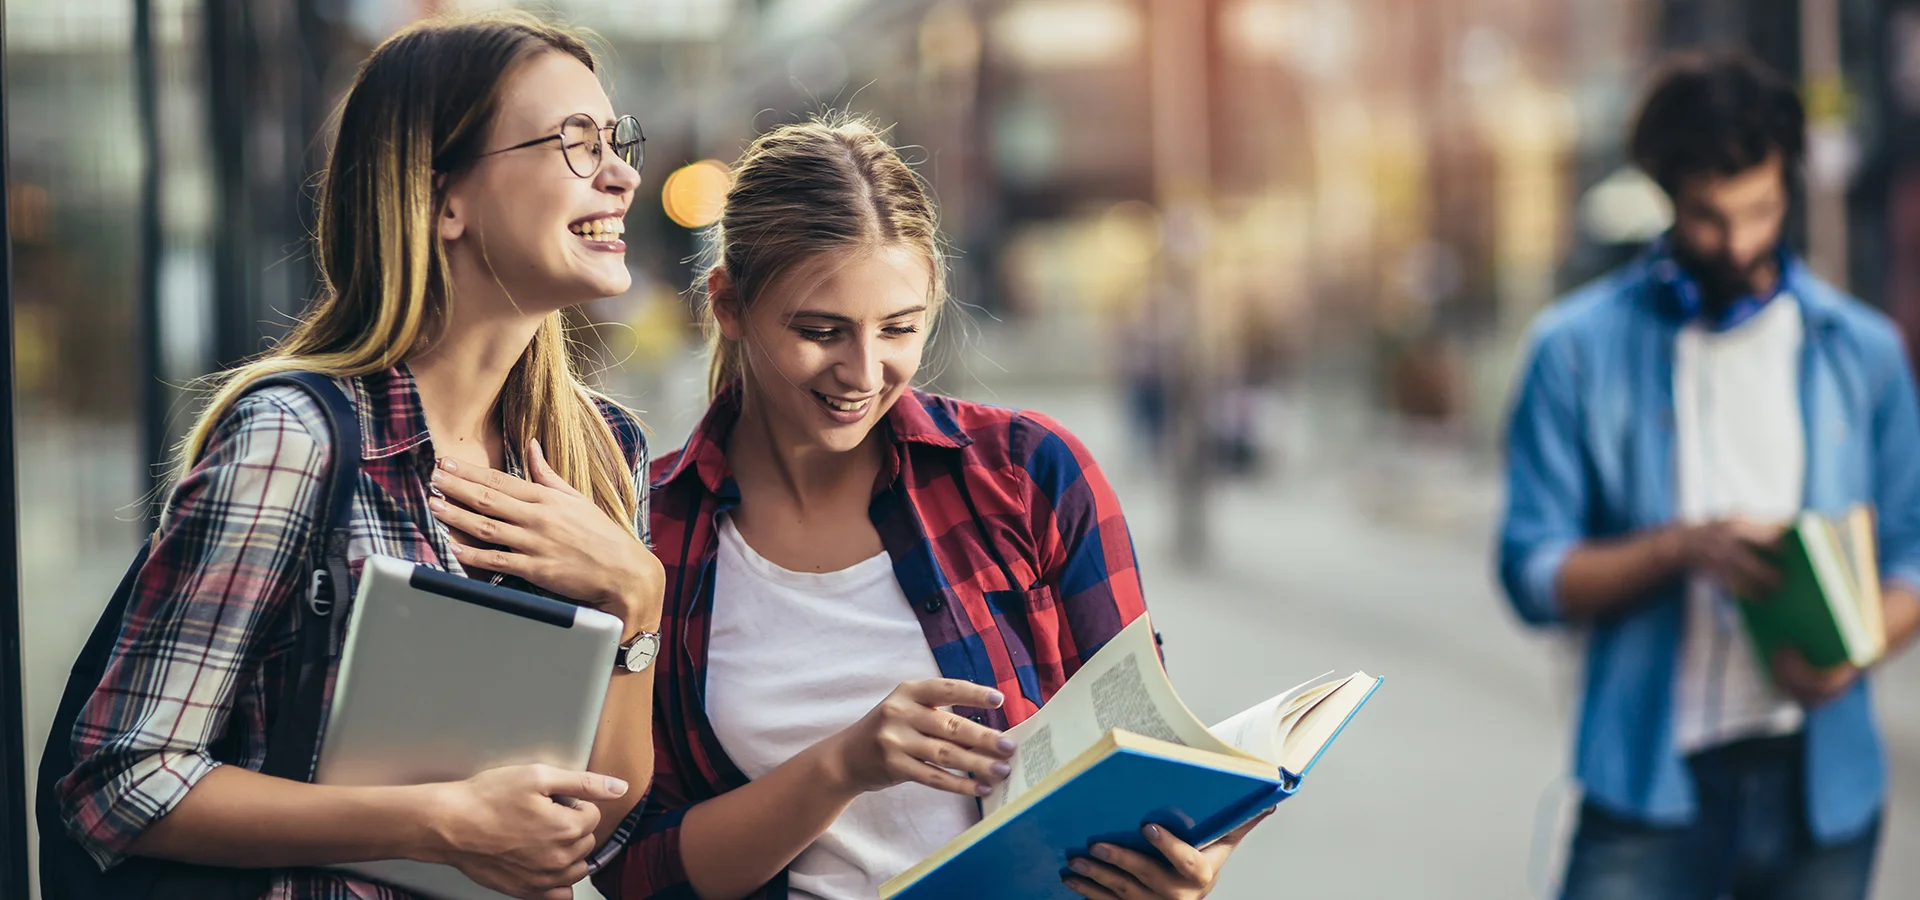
x,y
640,655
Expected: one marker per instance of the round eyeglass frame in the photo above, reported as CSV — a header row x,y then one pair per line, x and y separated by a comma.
x,y
628,140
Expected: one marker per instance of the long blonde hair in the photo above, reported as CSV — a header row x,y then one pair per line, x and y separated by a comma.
x,y
415,117
832,184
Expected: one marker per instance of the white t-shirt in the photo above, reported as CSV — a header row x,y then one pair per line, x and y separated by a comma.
x,y
795,657
1741,450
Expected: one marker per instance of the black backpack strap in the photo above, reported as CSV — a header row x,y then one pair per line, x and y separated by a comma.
x,y
295,735
67,872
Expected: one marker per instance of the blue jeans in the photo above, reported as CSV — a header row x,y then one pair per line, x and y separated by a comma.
x,y
1749,840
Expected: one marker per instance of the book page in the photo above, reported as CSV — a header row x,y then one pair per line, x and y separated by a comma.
x,y
1841,537
1122,686
1313,726
1259,729
1858,541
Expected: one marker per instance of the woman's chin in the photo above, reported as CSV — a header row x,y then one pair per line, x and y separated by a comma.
x,y
842,440
575,288
611,284
592,275
835,437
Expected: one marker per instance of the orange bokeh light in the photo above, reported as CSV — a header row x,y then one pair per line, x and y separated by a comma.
x,y
694,194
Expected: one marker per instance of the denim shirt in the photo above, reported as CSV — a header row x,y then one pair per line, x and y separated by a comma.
x,y
1590,456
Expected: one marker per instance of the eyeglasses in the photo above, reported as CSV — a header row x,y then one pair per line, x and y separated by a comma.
x,y
582,146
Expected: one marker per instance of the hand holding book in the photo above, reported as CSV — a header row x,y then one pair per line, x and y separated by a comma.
x,y
1115,760
1810,685
1735,553
1823,618
1182,873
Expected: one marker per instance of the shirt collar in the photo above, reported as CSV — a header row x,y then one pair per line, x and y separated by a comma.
x,y
914,419
1680,295
392,420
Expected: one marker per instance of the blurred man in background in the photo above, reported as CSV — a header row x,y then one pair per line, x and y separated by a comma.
x,y
1669,420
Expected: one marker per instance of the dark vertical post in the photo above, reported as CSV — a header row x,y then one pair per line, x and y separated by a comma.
x,y
229,75
1866,40
13,722
149,392
1898,175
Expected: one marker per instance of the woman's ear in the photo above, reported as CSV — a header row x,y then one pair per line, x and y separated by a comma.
x,y
724,298
451,223
452,220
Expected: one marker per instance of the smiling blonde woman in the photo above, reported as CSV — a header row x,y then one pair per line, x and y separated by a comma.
x,y
848,558
475,190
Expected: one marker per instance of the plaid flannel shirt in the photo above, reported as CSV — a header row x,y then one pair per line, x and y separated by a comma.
x,y
1004,536
207,643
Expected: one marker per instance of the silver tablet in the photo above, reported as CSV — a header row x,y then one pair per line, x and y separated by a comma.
x,y
443,677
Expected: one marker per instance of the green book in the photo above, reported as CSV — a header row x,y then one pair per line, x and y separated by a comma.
x,y
1828,601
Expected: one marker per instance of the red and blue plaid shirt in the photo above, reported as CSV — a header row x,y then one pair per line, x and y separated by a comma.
x,y
207,640
1004,536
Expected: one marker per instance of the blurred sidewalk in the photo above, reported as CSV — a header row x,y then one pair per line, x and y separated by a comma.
x,y
1452,783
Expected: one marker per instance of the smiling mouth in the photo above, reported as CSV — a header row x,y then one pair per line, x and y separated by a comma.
x,y
844,406
605,230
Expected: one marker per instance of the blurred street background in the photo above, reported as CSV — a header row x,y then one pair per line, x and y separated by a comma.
x,y
1271,259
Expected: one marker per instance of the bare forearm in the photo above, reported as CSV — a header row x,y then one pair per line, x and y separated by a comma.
x,y
240,818
1600,578
623,747
738,841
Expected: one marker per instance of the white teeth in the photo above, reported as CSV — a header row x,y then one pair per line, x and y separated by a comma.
x,y
600,229
843,405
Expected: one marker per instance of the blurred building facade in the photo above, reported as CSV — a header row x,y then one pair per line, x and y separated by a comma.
x,y
1392,187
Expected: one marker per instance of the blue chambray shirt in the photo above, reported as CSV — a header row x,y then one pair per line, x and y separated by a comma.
x,y
1590,456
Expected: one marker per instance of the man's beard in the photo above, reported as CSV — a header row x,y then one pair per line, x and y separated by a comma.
x,y
1721,280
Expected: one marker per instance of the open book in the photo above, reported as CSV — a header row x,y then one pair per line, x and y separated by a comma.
x,y
1115,748
1828,602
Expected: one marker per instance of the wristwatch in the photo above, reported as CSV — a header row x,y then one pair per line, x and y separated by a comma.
x,y
637,654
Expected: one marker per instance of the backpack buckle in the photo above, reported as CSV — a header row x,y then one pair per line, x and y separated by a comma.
x,y
319,593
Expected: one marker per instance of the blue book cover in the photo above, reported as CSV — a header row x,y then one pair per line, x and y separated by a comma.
x,y
1105,794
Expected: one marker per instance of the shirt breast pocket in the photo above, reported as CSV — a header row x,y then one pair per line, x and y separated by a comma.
x,y
1029,627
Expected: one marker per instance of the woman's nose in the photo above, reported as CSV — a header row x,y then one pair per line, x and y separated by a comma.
x,y
616,177
862,369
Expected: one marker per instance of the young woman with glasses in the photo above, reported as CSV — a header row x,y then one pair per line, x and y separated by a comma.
x,y
475,191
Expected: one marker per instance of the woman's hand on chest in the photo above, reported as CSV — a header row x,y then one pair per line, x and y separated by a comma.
x,y
547,532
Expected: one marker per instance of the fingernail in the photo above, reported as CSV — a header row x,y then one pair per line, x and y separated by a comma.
x,y
616,787
1001,769
983,789
1152,832
437,475
1102,851
1006,745
1079,865
447,463
436,504
995,699
457,549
